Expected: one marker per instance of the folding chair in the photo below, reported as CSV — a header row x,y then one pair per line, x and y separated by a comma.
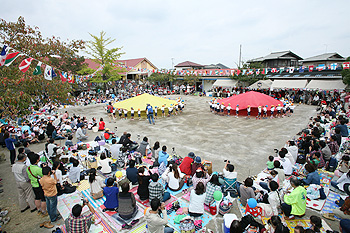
x,y
230,186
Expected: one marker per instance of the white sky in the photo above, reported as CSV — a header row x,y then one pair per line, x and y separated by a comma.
x,y
201,31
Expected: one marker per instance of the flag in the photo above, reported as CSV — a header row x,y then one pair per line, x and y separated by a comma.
x,y
37,69
233,72
3,55
11,57
53,74
63,77
25,64
274,70
346,65
48,73
281,70
291,69
238,71
264,71
257,71
301,69
216,72
321,67
333,66
311,68
70,78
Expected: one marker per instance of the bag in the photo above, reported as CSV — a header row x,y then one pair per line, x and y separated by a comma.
x,y
224,208
212,208
97,138
113,167
332,165
187,225
68,188
109,109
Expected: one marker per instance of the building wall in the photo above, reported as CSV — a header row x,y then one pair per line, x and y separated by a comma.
x,y
315,64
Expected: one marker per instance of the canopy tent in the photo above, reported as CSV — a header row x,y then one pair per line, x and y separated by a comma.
x,y
141,101
261,84
326,84
252,98
225,83
288,84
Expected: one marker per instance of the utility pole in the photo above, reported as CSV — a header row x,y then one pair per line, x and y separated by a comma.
x,y
240,56
172,63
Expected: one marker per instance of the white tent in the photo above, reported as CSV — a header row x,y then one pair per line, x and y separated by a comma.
x,y
225,83
326,84
288,84
261,84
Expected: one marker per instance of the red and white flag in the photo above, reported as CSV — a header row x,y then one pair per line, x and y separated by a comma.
x,y
346,65
311,68
25,64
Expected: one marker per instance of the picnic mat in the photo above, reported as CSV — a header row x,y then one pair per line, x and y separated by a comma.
x,y
187,198
317,204
171,217
174,193
330,203
325,177
95,203
67,201
291,224
148,161
84,185
140,229
146,203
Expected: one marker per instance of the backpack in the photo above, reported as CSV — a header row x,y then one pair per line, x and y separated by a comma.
x,y
150,110
332,165
187,225
109,109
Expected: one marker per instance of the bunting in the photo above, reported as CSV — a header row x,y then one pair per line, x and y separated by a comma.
x,y
25,64
11,57
3,55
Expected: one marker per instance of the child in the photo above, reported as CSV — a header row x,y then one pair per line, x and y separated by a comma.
x,y
111,192
222,108
279,110
265,112
125,114
270,163
155,112
237,110
343,166
139,114
132,112
176,109
228,109
120,113
272,110
291,108
69,141
163,112
170,110
259,113
101,125
248,111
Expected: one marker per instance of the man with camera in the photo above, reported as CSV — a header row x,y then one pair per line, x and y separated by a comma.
x,y
77,222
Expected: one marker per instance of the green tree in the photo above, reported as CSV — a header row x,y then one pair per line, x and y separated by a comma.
x,y
161,77
19,91
345,73
107,58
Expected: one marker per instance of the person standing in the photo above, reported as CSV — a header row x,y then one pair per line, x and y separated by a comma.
x,y
10,146
25,191
149,111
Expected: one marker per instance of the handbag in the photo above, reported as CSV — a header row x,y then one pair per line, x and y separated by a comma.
x,y
68,188
187,225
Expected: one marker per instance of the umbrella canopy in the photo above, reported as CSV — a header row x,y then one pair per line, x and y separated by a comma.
x,y
141,101
252,98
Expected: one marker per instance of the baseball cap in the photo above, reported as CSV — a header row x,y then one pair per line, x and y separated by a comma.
x,y
191,155
198,159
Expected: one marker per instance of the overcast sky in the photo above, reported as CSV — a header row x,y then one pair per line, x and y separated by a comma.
x,y
201,31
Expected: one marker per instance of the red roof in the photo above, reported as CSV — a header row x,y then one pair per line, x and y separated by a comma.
x,y
252,98
188,64
127,62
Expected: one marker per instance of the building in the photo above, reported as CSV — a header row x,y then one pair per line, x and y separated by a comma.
x,y
188,65
216,66
278,59
326,59
135,68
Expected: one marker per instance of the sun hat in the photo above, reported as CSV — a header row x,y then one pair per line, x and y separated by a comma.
x,y
107,129
191,155
198,159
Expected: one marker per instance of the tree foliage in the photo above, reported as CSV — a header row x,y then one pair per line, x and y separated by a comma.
x,y
107,58
19,91
161,77
345,73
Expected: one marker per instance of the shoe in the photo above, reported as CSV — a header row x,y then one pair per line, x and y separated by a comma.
x,y
43,223
48,225
126,226
43,214
6,220
33,210
4,213
25,209
134,222
57,218
289,218
329,216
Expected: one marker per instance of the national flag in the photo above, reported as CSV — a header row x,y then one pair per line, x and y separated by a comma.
x,y
37,69
321,67
257,71
216,72
346,65
25,64
71,78
274,70
301,69
281,70
250,72
291,69
3,55
238,71
264,71
63,77
311,68
11,57
221,71
48,73
232,72
244,71
53,74
333,66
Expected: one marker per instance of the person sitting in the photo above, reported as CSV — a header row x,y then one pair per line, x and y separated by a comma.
x,y
156,189
105,164
185,166
50,147
212,186
325,151
333,145
246,191
312,176
111,192
143,179
343,167
145,148
101,125
107,134
131,172
272,204
57,136
74,172
339,184
163,156
127,206
316,223
96,184
200,176
286,164
129,144
292,149
115,149
196,164
79,134
69,141
173,177
229,171
77,222
154,222
273,177
344,211
197,197
295,202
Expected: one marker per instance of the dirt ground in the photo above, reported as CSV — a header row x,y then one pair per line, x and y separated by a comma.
x,y
247,143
